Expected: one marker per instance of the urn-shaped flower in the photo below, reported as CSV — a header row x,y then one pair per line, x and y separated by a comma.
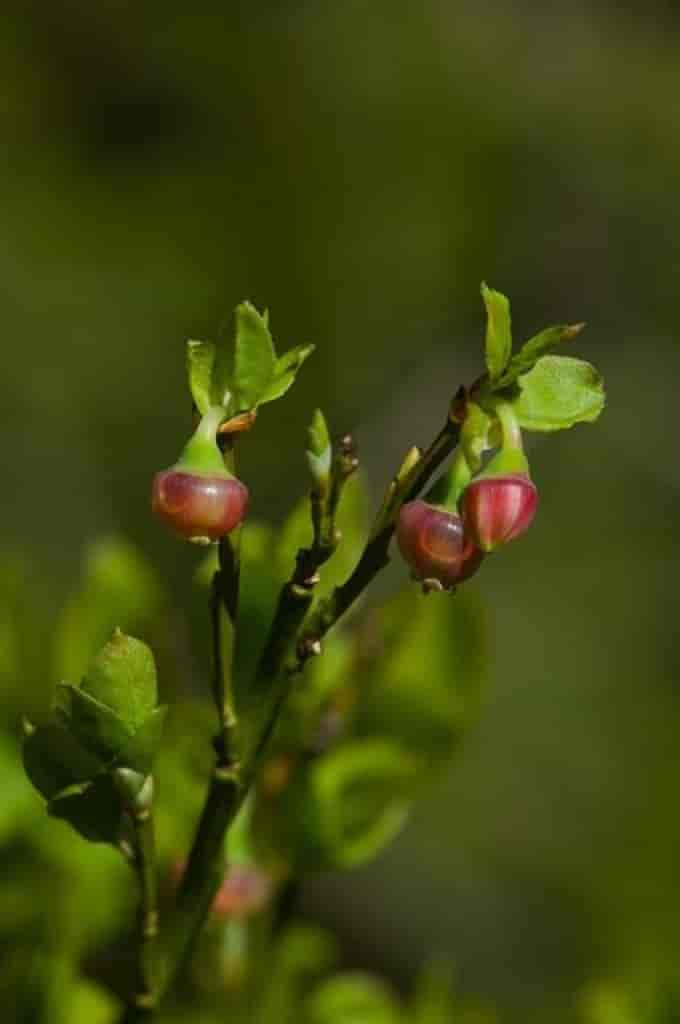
x,y
198,497
433,542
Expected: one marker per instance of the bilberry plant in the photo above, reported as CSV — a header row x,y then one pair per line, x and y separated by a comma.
x,y
307,770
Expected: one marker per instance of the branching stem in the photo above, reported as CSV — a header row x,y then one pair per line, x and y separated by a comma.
x,y
142,1006
287,649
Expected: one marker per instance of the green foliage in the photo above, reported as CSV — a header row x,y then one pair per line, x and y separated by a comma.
x,y
94,809
498,333
96,726
200,367
285,371
301,956
254,359
558,393
426,711
359,796
352,998
91,1004
108,724
113,712
310,772
538,346
69,777
122,675
339,810
546,392
54,760
351,521
246,373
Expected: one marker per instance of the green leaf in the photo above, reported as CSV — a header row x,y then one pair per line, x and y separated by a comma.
x,y
558,393
301,955
200,363
91,1004
352,998
285,371
254,358
122,677
498,332
532,350
362,792
93,809
426,712
95,726
140,751
53,760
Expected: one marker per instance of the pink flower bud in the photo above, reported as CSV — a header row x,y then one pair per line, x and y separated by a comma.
x,y
433,542
198,505
497,509
245,891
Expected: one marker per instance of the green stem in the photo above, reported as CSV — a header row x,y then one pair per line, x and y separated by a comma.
x,y
272,680
223,613
205,867
204,872
376,553
276,674
282,659
512,434
143,1004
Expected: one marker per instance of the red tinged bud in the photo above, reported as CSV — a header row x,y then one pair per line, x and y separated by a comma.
x,y
197,505
497,509
245,891
433,542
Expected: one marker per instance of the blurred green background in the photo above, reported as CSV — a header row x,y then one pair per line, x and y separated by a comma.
x,y
359,169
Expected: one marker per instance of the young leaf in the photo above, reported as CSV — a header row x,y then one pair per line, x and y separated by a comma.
x,y
558,393
200,363
300,956
94,809
498,332
122,677
254,358
425,712
95,726
54,760
532,350
351,998
139,753
285,372
91,1004
361,792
